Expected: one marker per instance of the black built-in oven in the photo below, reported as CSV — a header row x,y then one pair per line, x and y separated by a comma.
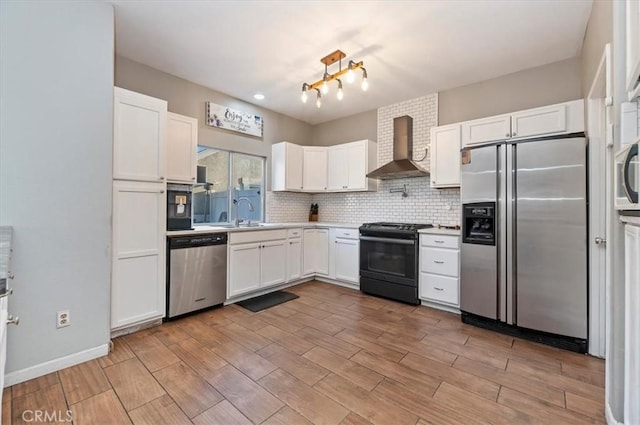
x,y
389,261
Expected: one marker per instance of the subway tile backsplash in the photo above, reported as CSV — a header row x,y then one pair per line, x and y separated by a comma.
x,y
422,205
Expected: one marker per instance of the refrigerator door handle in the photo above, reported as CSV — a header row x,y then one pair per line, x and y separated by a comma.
x,y
511,211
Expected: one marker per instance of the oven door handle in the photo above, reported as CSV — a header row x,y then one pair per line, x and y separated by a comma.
x,y
389,240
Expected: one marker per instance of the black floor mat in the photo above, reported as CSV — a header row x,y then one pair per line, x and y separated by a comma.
x,y
266,301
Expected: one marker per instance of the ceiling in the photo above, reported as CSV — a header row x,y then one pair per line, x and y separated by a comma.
x,y
409,48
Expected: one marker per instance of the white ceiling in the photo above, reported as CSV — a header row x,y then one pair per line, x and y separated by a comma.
x,y
409,48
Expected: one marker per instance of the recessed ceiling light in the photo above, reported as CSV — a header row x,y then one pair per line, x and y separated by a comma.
x,y
258,96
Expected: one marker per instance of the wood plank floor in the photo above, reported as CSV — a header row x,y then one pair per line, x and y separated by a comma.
x,y
332,356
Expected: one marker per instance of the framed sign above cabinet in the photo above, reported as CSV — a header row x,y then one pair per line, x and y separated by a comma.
x,y
232,119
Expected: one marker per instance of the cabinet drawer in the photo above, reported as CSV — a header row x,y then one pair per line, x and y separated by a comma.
x,y
439,288
294,233
439,261
256,236
347,233
439,241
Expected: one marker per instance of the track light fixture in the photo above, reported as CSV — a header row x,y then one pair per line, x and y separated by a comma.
x,y
322,86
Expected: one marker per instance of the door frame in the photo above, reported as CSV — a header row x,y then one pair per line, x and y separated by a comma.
x,y
599,121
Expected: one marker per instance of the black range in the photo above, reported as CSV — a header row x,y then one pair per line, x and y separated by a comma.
x,y
389,260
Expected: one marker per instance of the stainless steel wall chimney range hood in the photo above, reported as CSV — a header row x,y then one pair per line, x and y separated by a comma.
x,y
402,165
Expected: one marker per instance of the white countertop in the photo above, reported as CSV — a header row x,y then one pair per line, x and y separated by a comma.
x,y
263,226
436,231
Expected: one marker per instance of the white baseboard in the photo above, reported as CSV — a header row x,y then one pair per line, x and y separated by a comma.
x,y
355,286
609,415
440,306
54,365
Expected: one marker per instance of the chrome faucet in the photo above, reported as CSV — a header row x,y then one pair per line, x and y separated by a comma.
x,y
237,203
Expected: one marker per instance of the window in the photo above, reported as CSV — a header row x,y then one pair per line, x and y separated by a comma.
x,y
234,187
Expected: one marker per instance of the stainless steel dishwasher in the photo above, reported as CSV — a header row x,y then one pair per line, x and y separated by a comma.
x,y
196,272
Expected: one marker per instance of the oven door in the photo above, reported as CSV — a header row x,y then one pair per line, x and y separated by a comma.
x,y
389,259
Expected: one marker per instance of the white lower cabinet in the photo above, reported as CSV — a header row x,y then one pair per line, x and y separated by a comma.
x,y
256,260
315,252
138,271
345,255
439,269
632,324
294,254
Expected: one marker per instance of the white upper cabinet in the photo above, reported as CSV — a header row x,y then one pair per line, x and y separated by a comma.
x,y
139,138
182,142
314,169
349,164
445,156
562,118
486,130
286,167
539,121
338,168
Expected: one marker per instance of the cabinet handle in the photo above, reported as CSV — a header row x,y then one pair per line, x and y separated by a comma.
x,y
161,177
506,135
7,293
335,241
11,320
290,243
439,241
513,134
162,191
11,275
438,289
193,178
438,262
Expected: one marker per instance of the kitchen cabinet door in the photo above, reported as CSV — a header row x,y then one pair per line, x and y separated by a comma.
x,y
138,273
139,137
182,143
338,168
632,324
445,156
286,167
272,263
294,259
347,260
486,130
314,169
244,269
357,159
315,252
539,121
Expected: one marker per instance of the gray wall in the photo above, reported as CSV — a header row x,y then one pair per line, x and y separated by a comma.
x,y
348,129
189,99
599,33
544,85
56,130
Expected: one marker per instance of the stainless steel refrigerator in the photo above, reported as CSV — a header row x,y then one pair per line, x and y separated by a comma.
x,y
524,239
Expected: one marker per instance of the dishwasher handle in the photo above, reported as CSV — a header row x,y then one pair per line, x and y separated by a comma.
x,y
192,241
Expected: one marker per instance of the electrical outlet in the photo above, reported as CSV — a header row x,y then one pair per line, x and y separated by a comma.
x,y
63,319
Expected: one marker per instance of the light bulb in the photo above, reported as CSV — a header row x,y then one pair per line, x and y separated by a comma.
x,y
318,102
304,96
365,84
325,87
350,76
340,94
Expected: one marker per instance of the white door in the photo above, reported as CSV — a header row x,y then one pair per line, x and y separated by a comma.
x,y
347,260
273,256
314,171
322,251
445,156
338,168
294,259
539,121
244,269
138,277
309,252
182,142
486,130
357,160
139,137
632,324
